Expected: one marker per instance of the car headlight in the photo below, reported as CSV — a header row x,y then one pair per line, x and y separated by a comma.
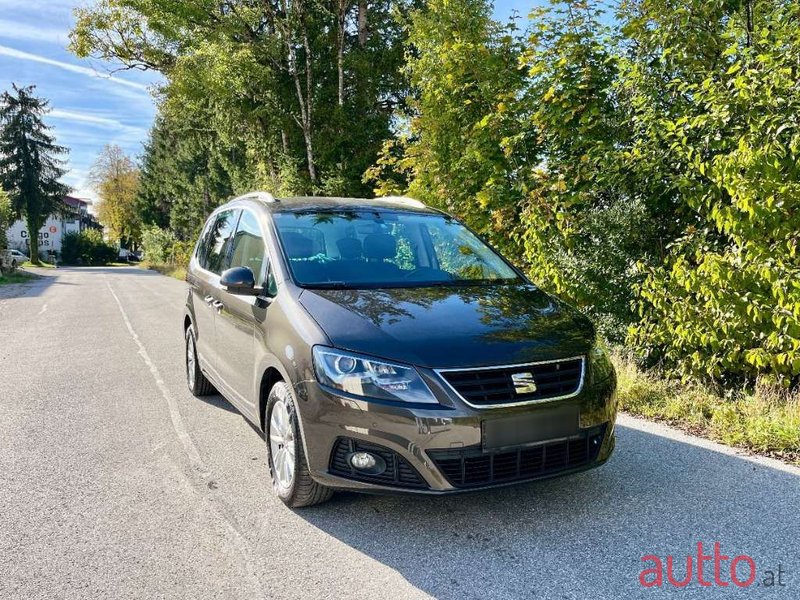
x,y
369,377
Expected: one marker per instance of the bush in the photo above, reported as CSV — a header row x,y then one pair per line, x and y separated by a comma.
x,y
87,248
6,215
164,253
157,244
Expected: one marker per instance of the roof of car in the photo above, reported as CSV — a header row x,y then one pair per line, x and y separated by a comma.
x,y
310,203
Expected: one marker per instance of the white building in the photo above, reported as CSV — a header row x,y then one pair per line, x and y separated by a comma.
x,y
76,218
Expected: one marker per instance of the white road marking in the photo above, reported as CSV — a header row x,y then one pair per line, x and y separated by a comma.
x,y
222,508
41,312
177,421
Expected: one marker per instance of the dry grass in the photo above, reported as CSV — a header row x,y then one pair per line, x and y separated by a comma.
x,y
176,271
766,420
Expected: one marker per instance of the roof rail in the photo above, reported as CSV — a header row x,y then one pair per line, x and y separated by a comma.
x,y
263,196
408,201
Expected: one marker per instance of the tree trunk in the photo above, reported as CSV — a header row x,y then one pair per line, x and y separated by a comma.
x,y
308,130
303,100
340,47
33,239
362,23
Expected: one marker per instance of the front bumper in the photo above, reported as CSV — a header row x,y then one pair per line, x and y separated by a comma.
x,y
443,444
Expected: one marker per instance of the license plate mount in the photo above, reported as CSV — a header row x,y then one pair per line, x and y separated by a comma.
x,y
541,425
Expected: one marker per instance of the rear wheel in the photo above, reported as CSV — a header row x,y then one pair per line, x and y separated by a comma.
x,y
195,379
287,462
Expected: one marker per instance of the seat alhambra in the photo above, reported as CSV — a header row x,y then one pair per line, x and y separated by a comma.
x,y
382,346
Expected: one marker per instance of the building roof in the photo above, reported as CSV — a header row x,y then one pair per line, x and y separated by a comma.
x,y
75,202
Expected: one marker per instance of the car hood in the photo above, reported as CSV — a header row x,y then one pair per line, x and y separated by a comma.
x,y
451,327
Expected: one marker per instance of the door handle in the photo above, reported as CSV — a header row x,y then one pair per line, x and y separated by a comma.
x,y
218,305
209,299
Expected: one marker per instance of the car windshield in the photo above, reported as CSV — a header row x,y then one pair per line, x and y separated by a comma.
x,y
375,248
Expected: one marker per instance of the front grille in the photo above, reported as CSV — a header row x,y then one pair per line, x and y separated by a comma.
x,y
472,467
489,387
398,470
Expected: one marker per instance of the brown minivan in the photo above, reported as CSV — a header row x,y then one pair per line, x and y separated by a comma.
x,y
381,345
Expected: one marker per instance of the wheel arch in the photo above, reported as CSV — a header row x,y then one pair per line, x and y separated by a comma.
x,y
270,377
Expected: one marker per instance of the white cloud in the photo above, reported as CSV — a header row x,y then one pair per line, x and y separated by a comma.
x,y
14,30
19,54
96,120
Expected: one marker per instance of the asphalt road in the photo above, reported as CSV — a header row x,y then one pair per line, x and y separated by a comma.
x,y
116,483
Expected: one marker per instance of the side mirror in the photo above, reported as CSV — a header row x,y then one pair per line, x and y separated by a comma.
x,y
239,281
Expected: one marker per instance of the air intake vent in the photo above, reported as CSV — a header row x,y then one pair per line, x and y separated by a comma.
x,y
473,468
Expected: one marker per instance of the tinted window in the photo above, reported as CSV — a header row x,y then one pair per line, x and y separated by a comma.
x,y
248,247
385,249
213,251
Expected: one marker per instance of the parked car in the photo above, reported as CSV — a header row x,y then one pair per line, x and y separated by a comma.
x,y
382,346
17,258
129,255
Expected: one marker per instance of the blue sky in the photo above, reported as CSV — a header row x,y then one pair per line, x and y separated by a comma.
x,y
91,107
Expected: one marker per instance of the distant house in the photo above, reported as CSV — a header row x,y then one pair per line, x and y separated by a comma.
x,y
75,217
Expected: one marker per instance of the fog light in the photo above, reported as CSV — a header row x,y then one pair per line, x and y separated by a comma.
x,y
367,463
363,461
596,441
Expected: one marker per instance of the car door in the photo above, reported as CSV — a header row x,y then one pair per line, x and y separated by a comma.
x,y
210,260
239,315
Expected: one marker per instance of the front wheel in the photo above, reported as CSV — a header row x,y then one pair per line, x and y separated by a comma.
x,y
287,462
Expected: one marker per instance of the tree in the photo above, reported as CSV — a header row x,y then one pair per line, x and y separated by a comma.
x,y
6,214
116,179
29,165
287,84
462,120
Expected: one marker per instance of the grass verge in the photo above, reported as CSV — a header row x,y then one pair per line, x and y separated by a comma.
x,y
17,277
41,265
765,420
176,271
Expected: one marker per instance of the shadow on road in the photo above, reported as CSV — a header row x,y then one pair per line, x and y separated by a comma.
x,y
32,288
581,536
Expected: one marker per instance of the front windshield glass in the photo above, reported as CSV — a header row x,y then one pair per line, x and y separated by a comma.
x,y
356,249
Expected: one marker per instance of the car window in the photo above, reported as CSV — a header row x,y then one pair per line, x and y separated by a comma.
x,y
214,249
248,247
376,248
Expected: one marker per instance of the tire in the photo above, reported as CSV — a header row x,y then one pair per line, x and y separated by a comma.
x,y
195,379
291,480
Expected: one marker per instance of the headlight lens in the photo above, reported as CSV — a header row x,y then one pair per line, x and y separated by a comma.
x,y
370,377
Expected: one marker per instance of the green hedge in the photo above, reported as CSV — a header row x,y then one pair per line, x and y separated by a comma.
x,y
87,248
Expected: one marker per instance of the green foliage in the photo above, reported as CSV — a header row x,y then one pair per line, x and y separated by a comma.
x,y
6,217
161,247
462,120
29,165
726,305
278,95
645,170
86,248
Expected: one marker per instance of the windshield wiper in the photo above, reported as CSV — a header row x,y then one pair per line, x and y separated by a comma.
x,y
328,285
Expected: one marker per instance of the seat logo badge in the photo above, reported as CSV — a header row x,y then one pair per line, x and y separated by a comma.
x,y
524,383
